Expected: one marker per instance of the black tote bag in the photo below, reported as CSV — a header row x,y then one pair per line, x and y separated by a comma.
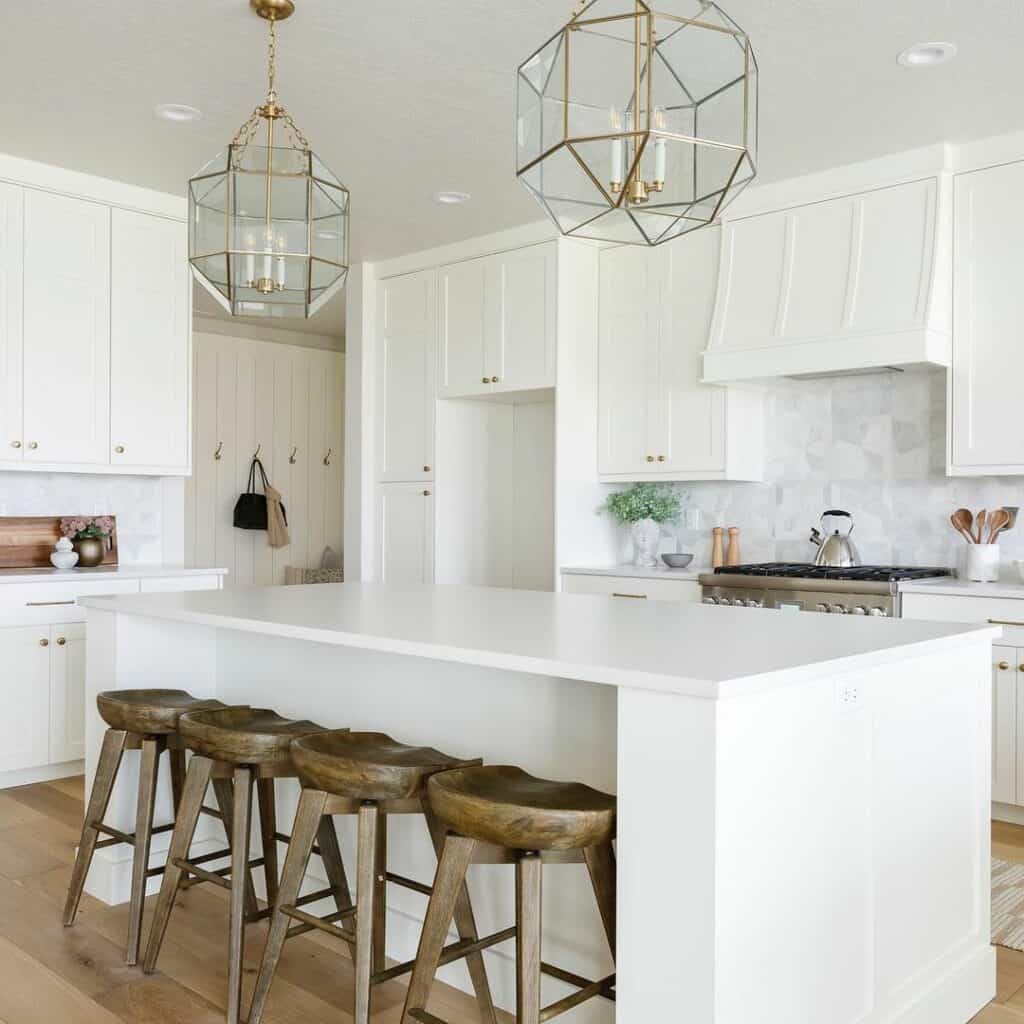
x,y
251,507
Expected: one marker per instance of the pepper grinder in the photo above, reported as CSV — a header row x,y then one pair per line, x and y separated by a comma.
x,y
732,556
717,554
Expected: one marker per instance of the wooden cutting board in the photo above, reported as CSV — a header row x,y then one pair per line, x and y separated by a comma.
x,y
27,541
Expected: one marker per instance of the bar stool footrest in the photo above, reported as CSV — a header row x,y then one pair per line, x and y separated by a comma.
x,y
587,989
456,951
118,838
425,1018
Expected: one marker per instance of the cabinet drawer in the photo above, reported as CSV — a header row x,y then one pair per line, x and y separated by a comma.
x,y
29,603
1000,611
632,587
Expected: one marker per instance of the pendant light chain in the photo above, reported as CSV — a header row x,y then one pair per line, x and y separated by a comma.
x,y
272,61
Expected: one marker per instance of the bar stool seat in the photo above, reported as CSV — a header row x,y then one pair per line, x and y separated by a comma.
x,y
243,735
504,805
148,712
368,765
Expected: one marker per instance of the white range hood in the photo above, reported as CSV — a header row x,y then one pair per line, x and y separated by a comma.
x,y
848,284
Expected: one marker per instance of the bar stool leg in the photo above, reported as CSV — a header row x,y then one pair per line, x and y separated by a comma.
x,y
465,923
225,795
268,831
601,865
177,761
456,856
330,854
196,781
102,787
148,762
309,819
242,782
380,906
528,920
367,899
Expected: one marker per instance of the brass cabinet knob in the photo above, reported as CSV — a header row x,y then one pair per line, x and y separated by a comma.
x,y
44,642
33,445
494,380
1020,668
61,641
485,380
1003,666
661,458
650,458
119,449
426,494
15,444
426,469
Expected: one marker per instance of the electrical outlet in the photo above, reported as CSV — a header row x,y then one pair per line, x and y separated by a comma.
x,y
847,695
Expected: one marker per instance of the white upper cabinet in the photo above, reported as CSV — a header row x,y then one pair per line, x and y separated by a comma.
x,y
66,364
656,419
12,206
846,283
149,342
988,357
496,323
406,392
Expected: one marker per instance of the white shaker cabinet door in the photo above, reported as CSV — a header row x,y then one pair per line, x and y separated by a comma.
x,y
625,375
406,322
1004,724
149,342
464,318
405,531
988,359
519,345
11,261
67,692
25,688
67,330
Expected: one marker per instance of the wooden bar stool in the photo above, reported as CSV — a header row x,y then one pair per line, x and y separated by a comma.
x,y
240,747
373,776
147,721
499,814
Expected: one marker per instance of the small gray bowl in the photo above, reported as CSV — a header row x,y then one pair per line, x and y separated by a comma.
x,y
677,561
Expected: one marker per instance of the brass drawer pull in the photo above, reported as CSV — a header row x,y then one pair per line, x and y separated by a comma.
x,y
1005,622
45,604
635,597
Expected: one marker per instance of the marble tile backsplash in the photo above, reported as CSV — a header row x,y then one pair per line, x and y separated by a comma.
x,y
137,501
874,446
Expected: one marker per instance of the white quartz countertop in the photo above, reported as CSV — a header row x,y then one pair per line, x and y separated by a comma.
x,y
111,572
662,572
691,649
1011,586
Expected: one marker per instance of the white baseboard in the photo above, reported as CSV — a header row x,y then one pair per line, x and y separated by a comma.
x,y
959,995
1011,813
45,773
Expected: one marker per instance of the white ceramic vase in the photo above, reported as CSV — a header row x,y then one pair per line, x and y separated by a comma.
x,y
982,563
646,537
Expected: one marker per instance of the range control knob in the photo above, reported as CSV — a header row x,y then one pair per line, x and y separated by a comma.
x,y
878,611
711,600
859,610
838,609
821,608
751,603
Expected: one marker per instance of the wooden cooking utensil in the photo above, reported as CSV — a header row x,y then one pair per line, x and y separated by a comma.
x,y
997,522
963,522
980,522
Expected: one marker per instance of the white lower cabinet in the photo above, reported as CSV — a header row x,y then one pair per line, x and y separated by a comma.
x,y
25,722
1007,676
405,527
67,692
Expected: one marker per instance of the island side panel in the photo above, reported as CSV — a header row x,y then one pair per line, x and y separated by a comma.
x,y
127,652
853,847
556,728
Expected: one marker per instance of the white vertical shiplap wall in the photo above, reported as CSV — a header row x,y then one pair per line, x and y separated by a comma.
x,y
286,399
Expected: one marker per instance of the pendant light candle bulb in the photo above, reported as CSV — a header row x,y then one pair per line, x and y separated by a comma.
x,y
279,277
617,152
660,152
250,260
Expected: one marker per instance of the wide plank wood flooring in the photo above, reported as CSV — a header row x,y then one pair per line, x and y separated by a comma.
x,y
50,974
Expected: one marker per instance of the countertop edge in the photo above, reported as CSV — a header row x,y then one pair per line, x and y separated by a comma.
x,y
121,572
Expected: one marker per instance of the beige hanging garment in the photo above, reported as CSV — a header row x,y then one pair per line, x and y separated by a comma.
x,y
277,525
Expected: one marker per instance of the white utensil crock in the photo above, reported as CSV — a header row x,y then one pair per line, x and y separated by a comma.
x,y
983,563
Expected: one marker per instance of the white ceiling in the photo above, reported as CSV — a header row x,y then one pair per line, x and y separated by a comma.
x,y
402,99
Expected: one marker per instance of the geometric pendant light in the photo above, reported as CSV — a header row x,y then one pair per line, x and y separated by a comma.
x,y
637,122
268,222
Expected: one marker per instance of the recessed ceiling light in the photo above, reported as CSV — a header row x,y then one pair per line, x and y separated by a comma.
x,y
926,55
177,112
451,198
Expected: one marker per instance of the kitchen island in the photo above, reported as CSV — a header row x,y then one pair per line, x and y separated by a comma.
x,y
803,799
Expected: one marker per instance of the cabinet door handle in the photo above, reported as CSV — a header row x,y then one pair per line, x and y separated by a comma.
x,y
61,641
661,458
426,469
44,642
1003,666
15,444
33,445
1005,622
650,458
485,380
426,494
45,604
494,380
119,449
634,597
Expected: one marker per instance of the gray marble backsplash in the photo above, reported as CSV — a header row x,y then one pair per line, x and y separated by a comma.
x,y
872,445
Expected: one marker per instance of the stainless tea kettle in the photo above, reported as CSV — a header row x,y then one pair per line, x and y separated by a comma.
x,y
835,549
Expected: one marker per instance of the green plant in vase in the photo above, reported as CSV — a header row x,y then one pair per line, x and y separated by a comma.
x,y
644,508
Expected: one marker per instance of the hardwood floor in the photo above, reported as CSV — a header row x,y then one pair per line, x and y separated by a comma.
x,y
50,973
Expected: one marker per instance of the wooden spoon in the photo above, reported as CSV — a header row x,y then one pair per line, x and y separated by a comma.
x,y
980,523
963,522
998,521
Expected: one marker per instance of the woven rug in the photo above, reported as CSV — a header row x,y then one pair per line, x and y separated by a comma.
x,y
1007,904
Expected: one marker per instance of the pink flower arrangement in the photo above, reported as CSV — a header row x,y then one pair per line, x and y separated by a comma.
x,y
80,527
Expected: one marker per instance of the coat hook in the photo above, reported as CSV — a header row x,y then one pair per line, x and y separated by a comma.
x,y
220,447
291,458
259,448
327,457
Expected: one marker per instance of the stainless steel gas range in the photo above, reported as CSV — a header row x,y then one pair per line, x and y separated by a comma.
x,y
862,590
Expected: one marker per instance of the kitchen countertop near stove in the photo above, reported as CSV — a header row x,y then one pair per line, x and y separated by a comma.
x,y
1008,588
662,572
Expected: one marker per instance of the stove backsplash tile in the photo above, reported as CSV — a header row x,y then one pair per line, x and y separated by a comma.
x,y
872,445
